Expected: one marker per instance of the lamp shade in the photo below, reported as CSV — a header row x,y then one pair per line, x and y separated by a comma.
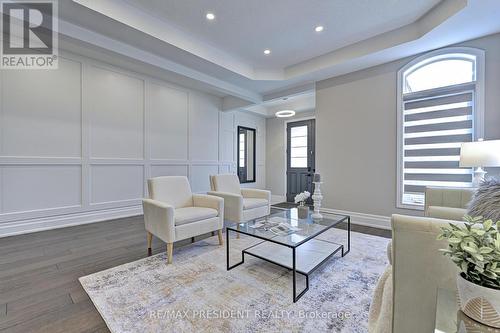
x,y
480,154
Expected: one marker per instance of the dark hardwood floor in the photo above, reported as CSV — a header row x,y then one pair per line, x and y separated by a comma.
x,y
39,288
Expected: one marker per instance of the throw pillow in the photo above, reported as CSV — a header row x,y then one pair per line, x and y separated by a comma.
x,y
486,201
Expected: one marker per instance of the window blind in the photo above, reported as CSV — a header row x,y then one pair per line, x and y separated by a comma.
x,y
436,123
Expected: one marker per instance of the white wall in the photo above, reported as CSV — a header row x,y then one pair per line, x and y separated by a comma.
x,y
356,130
276,153
78,143
259,123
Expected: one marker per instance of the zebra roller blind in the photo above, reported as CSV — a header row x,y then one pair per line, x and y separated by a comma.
x,y
440,107
435,125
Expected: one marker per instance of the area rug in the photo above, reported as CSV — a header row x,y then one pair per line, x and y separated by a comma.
x,y
197,294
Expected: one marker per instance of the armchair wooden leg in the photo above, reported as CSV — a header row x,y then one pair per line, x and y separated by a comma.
x,y
150,240
170,252
238,228
219,233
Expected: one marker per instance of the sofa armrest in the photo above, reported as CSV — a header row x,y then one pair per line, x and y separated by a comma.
x,y
233,205
254,193
447,197
209,201
159,219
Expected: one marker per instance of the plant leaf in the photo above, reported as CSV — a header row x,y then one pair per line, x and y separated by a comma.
x,y
487,224
484,250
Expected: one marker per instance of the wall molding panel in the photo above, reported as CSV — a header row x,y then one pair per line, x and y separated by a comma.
x,y
81,148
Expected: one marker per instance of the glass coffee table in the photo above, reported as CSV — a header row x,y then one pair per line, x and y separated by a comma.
x,y
292,243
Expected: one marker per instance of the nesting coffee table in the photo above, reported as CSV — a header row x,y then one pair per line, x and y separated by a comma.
x,y
300,251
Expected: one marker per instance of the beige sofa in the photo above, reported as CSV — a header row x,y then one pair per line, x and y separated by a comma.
x,y
174,213
447,203
417,267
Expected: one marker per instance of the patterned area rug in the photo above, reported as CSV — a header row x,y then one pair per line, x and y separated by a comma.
x,y
197,294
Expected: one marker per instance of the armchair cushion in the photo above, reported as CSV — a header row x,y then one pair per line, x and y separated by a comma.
x,y
226,183
192,214
174,190
249,203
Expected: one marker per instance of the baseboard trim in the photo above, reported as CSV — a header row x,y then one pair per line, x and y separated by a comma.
x,y
68,220
369,220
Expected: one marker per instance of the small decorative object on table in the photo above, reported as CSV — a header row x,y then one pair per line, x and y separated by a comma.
x,y
317,197
475,249
303,210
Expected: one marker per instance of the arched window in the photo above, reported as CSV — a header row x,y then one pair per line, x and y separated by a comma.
x,y
440,101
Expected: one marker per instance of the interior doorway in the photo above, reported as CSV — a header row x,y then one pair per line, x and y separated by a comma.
x,y
300,157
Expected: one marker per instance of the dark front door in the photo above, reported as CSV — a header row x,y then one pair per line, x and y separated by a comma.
x,y
300,156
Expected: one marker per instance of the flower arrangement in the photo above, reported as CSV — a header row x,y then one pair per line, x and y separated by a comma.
x,y
302,197
475,249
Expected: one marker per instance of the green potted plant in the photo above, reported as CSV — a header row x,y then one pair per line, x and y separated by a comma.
x,y
475,248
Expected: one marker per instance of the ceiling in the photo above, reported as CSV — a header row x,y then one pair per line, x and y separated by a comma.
x,y
245,28
174,40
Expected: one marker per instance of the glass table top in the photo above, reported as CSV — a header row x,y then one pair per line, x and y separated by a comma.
x,y
286,228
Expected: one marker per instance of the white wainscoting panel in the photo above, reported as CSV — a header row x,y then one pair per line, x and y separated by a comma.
x,y
77,145
116,114
35,187
41,112
169,170
203,127
168,122
115,183
200,177
227,137
225,168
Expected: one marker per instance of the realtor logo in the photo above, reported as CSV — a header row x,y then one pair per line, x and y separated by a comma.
x,y
29,34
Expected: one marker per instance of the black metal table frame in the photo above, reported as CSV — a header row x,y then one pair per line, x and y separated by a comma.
x,y
294,255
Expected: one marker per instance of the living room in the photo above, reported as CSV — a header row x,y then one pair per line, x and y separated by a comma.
x,y
250,166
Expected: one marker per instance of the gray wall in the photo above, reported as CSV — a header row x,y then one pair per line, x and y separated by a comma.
x,y
356,133
276,152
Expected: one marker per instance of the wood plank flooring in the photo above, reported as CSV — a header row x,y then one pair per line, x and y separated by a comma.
x,y
39,288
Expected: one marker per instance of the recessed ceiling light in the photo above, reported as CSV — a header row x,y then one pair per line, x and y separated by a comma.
x,y
267,51
285,113
210,16
319,28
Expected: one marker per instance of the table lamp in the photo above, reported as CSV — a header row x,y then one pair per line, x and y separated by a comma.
x,y
480,154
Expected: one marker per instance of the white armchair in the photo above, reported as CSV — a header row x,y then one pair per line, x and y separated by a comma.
x,y
240,204
174,213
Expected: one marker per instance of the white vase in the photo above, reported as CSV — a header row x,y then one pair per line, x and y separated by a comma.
x,y
479,303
